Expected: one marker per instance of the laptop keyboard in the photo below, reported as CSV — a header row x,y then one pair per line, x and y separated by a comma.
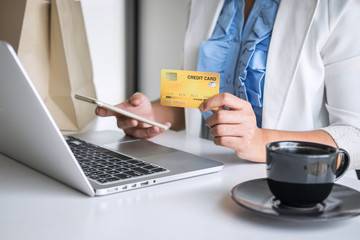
x,y
106,166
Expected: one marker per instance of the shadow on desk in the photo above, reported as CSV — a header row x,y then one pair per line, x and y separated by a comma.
x,y
245,215
229,159
21,181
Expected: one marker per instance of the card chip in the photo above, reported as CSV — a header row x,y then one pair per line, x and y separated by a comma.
x,y
171,76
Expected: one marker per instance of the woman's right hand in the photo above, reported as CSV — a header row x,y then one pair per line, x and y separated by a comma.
x,y
139,104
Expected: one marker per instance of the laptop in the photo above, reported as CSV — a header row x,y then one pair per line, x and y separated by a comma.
x,y
30,136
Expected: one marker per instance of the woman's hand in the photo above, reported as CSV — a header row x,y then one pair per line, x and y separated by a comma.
x,y
233,125
139,104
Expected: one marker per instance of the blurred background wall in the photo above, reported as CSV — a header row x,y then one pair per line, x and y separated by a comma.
x,y
131,41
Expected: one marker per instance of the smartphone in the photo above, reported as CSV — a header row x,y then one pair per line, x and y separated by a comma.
x,y
120,111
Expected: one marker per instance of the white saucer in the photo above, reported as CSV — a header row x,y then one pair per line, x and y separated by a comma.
x,y
342,203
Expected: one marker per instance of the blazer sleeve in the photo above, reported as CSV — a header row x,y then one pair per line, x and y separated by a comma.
x,y
341,56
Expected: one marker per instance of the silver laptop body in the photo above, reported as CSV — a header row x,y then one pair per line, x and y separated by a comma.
x,y
30,136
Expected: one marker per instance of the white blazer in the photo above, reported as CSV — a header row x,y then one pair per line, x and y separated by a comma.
x,y
313,67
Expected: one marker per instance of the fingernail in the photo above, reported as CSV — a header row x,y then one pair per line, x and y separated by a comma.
x,y
201,107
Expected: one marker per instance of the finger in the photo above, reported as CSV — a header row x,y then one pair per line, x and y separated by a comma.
x,y
144,125
136,99
223,100
225,116
144,133
102,112
125,123
147,125
228,141
232,130
218,109
222,130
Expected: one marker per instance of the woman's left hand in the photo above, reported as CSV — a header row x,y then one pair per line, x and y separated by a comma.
x,y
233,125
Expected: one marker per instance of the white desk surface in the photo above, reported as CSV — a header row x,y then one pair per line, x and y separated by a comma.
x,y
34,206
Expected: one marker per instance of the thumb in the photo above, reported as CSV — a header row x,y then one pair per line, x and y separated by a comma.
x,y
137,99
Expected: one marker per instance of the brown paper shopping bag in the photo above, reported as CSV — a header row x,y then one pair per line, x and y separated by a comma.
x,y
52,45
70,66
25,25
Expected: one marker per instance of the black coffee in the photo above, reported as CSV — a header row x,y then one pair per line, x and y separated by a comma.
x,y
299,195
302,150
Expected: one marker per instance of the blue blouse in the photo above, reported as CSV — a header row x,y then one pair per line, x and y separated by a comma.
x,y
238,50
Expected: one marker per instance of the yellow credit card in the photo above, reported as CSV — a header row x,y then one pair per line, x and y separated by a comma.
x,y
187,88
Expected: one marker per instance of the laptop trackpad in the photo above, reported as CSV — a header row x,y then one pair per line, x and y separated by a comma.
x,y
140,148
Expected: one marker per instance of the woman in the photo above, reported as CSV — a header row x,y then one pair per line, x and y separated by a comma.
x,y
307,78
